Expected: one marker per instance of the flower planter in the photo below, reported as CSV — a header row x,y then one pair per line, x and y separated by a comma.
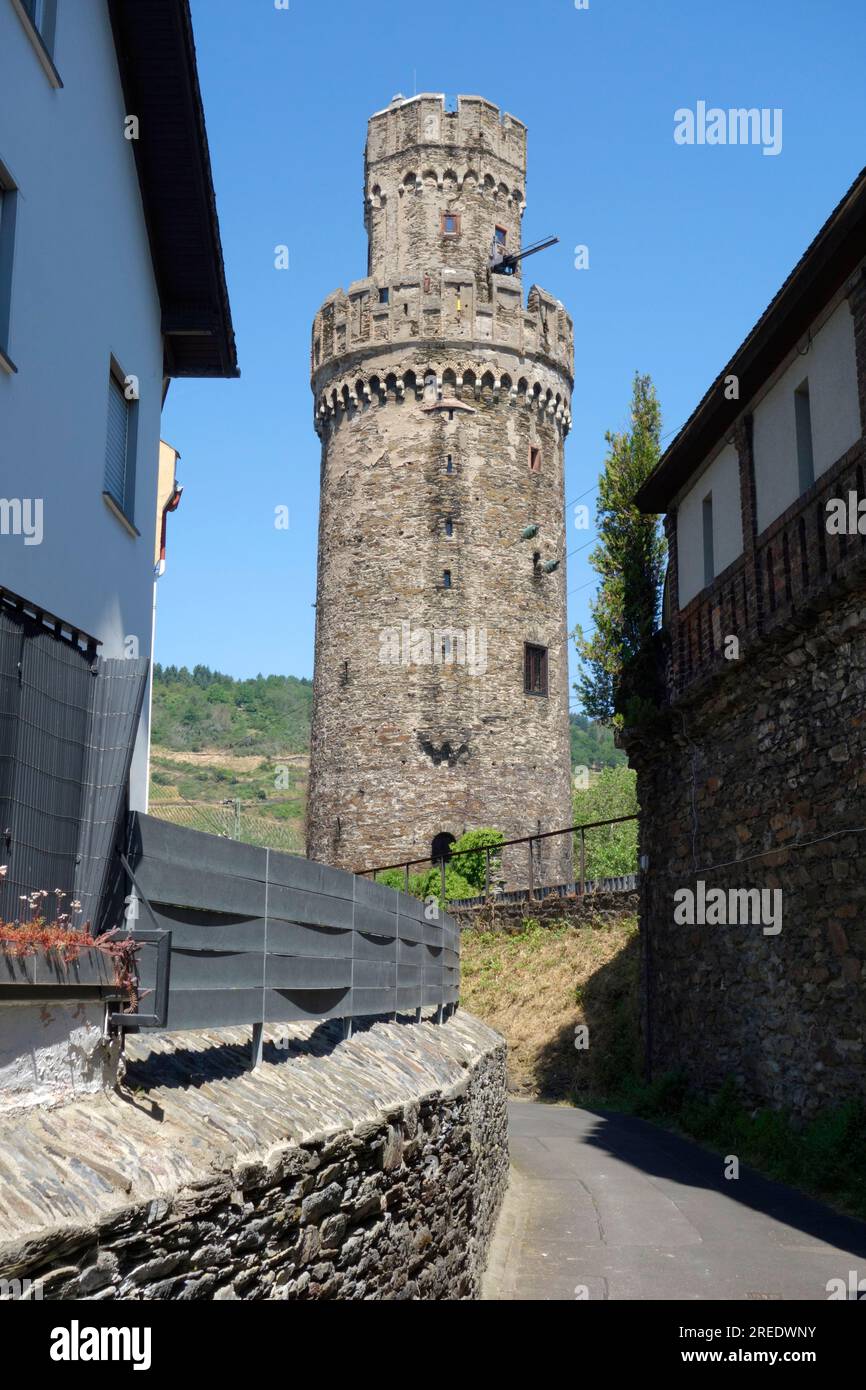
x,y
47,969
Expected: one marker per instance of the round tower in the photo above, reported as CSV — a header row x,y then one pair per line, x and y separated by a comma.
x,y
442,403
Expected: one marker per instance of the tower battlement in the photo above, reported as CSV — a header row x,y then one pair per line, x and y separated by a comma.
x,y
410,123
441,308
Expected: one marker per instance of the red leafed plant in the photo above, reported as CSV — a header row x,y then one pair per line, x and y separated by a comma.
x,y
36,935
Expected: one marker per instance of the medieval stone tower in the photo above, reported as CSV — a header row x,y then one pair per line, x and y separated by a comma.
x,y
442,403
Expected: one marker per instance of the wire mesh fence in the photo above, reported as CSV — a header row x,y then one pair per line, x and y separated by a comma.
x,y
277,827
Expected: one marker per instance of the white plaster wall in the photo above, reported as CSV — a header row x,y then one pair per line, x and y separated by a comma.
x,y
83,288
830,366
722,479
53,1052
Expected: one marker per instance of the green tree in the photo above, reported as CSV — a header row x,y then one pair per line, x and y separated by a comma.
x,y
611,850
630,560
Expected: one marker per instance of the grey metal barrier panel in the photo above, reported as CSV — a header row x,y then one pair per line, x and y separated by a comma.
x,y
263,936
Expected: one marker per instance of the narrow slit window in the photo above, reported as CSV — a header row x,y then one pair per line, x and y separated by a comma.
x,y
449,465
446,579
534,669
534,459
709,561
803,418
449,526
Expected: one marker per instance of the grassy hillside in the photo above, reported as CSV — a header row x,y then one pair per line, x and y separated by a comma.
x,y
537,985
230,757
199,709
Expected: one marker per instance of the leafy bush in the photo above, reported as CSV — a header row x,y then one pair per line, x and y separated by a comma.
x,y
610,850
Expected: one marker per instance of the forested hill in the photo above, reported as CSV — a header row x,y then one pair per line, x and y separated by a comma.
x,y
592,744
205,709
201,708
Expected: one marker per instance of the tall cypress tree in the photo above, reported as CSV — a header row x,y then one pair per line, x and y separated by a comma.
x,y
630,559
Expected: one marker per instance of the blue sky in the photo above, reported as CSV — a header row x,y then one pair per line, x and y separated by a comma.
x,y
687,244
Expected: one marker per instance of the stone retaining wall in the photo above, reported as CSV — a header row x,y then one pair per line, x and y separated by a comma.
x,y
762,774
369,1168
576,910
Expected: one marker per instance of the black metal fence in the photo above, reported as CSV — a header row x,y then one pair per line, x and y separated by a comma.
x,y
259,936
68,721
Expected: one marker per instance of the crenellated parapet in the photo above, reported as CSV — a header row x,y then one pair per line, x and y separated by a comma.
x,y
440,308
424,121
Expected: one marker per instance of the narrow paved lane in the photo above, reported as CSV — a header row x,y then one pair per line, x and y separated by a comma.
x,y
627,1211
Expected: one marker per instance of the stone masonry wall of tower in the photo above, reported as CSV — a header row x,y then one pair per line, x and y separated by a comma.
x,y
442,403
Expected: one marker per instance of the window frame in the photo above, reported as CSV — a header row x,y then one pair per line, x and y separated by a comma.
x,y
530,650
125,510
503,240
535,458
444,217
805,436
8,222
708,526
43,36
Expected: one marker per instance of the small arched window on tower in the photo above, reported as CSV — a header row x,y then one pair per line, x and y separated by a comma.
x,y
449,464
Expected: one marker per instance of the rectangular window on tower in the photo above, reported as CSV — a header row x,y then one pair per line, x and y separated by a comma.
x,y
500,236
534,669
451,224
534,459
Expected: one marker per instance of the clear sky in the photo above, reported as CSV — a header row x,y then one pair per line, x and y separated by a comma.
x,y
687,244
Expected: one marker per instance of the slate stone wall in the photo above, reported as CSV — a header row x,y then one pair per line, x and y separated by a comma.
x,y
385,1184
764,765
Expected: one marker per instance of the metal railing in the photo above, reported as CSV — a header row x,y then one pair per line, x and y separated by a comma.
x,y
258,936
578,885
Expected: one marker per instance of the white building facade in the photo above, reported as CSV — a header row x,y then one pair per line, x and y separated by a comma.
x,y
100,304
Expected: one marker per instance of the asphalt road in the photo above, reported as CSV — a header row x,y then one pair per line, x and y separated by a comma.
x,y
605,1206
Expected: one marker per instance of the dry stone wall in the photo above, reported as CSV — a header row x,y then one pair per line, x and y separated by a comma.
x,y
372,1168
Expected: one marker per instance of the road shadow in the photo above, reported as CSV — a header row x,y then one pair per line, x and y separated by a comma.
x,y
659,1153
